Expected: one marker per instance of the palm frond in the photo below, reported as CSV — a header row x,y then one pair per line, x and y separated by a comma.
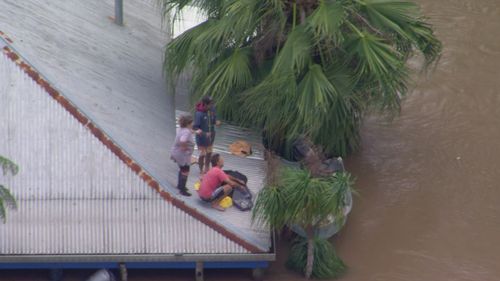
x,y
180,52
3,211
231,74
6,201
301,199
426,41
403,18
390,13
296,52
271,102
243,16
309,199
326,20
342,186
379,62
270,208
274,9
327,265
316,94
8,166
7,197
218,36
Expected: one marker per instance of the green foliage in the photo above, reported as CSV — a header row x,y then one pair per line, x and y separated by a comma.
x,y
303,200
298,198
6,198
302,68
327,264
269,208
6,201
8,166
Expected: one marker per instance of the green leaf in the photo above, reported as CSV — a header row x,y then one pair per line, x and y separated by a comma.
x,y
7,197
180,52
295,54
3,212
299,199
403,18
390,13
231,74
326,20
270,208
380,67
8,166
327,265
316,94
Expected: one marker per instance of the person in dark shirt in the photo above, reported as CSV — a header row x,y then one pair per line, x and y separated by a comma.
x,y
204,123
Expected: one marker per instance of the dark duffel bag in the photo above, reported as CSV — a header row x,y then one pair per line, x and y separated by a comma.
x,y
242,197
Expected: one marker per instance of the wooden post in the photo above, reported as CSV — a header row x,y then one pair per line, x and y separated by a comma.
x,y
199,271
119,12
123,272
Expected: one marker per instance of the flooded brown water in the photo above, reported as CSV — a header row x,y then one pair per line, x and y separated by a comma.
x,y
428,181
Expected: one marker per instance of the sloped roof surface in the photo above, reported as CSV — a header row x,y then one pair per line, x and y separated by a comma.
x,y
74,195
113,75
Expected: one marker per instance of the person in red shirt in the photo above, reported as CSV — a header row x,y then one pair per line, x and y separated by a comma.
x,y
215,184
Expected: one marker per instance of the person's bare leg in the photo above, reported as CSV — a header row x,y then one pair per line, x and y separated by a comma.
x,y
201,158
208,155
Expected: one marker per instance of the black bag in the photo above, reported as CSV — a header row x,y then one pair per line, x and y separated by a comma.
x,y
242,197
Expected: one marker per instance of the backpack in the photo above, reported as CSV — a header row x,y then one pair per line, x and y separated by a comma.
x,y
242,197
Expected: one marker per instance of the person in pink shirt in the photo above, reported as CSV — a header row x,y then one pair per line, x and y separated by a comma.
x,y
215,184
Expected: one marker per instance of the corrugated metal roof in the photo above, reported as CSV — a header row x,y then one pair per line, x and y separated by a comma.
x,y
75,195
113,75
103,226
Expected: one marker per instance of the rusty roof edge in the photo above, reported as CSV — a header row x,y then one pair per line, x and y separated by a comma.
x,y
105,139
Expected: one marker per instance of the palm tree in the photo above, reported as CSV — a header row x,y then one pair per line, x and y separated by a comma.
x,y
301,67
6,198
298,198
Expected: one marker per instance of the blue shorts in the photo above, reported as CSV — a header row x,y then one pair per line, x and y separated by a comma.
x,y
204,141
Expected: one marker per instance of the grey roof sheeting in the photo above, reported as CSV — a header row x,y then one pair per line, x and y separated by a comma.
x,y
114,75
75,195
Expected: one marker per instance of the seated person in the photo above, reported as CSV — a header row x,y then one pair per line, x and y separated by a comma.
x,y
215,184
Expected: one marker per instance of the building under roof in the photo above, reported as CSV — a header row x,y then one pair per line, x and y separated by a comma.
x,y
86,115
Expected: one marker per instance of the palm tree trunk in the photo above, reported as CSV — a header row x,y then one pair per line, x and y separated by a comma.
x,y
310,252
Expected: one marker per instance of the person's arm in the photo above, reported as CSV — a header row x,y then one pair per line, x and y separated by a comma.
x,y
237,181
223,177
233,182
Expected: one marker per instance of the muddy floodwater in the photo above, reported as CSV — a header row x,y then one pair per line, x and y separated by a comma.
x,y
429,181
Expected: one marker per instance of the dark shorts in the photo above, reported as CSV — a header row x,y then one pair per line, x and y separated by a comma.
x,y
218,193
184,169
204,141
